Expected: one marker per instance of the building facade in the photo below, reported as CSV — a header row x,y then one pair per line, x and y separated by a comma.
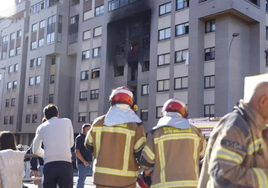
x,y
73,53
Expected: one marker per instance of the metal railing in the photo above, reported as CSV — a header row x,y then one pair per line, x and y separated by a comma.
x,y
115,4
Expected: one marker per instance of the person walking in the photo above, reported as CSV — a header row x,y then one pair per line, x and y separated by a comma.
x,y
58,138
173,149
116,139
237,153
84,157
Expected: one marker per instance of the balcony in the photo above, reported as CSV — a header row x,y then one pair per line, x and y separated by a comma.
x,y
116,4
14,11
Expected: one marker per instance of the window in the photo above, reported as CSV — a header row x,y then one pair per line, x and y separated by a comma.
x,y
119,71
5,120
28,118
33,45
95,73
50,38
19,34
99,10
209,82
18,51
11,52
10,69
163,85
34,118
34,27
7,102
159,112
266,33
37,80
16,67
96,52
145,89
145,66
210,26
36,99
29,100
38,61
87,15
163,59
52,79
181,56
5,39
11,120
181,83
165,9
74,19
181,4
84,75
4,55
209,110
12,36
82,117
13,102
144,114
51,98
182,29
83,96
87,35
31,81
41,43
42,24
209,54
85,54
52,20
94,94
97,31
9,85
120,49
32,63
53,60
164,34
15,83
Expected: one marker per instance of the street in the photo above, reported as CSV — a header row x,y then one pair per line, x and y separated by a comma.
x,y
88,183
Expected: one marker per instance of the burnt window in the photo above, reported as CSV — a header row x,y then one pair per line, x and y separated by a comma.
x,y
119,71
120,49
146,42
145,66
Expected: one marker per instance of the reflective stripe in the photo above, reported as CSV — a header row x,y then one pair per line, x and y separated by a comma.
x,y
210,184
176,184
116,172
196,145
98,143
202,153
228,155
262,179
176,136
114,130
139,143
149,152
90,139
256,144
162,162
126,153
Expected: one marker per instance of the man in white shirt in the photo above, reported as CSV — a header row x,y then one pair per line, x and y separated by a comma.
x,y
57,136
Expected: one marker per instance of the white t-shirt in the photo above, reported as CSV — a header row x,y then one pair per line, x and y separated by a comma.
x,y
58,138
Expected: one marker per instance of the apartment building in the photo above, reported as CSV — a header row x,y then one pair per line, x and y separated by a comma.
x,y
73,53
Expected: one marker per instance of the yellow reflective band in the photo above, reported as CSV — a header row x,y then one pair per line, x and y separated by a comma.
x,y
228,155
98,143
202,153
126,153
162,162
196,145
261,176
256,144
139,143
149,152
90,139
176,184
115,172
176,136
114,130
210,184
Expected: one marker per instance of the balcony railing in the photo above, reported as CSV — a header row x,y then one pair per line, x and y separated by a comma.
x,y
115,4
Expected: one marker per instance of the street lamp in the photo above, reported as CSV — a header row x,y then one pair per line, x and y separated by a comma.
x,y
229,69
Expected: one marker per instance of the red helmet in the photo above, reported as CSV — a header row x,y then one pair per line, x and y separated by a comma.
x,y
121,95
175,105
144,182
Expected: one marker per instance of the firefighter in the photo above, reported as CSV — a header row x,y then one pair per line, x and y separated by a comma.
x,y
116,140
173,149
237,153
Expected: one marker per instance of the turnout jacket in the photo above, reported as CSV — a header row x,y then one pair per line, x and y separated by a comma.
x,y
174,154
116,150
237,155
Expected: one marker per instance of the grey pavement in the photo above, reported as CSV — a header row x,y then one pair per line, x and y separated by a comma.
x,y
88,183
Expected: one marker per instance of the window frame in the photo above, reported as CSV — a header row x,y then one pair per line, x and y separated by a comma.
x,y
99,52
93,70
36,80
181,79
210,26
82,121
13,101
84,56
209,115
7,104
30,99
158,65
52,79
165,4
142,112
101,10
36,99
143,66
164,90
182,52
164,29
80,94
156,115
34,27
94,96
185,24
210,85
51,96
34,120
86,75
184,2
210,48
142,90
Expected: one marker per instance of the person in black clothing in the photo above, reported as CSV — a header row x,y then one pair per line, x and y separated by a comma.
x,y
84,157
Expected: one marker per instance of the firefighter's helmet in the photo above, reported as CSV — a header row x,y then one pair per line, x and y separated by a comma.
x,y
121,95
144,181
175,105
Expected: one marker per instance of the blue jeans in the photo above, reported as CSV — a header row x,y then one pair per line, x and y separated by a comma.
x,y
83,171
40,172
